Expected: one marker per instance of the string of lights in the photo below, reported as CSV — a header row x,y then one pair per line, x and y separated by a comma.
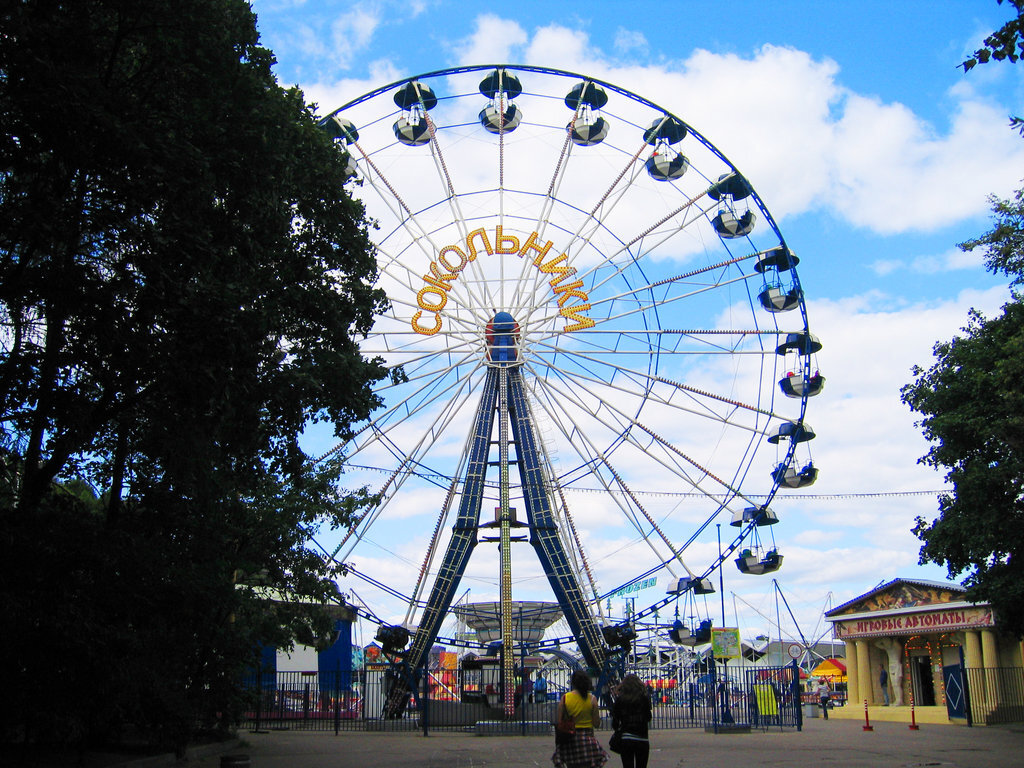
x,y
802,496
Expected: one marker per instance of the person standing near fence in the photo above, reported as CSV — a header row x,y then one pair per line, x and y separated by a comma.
x,y
582,750
540,687
631,714
824,696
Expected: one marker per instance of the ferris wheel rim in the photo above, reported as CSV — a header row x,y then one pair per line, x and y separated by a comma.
x,y
463,339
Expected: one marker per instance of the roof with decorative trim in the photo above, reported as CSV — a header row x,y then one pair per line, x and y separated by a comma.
x,y
921,584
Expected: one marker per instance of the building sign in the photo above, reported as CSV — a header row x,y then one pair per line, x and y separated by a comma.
x,y
950,620
573,301
636,586
725,643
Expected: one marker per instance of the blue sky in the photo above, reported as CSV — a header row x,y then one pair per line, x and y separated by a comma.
x,y
874,152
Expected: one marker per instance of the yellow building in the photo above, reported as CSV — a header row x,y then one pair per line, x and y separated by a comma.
x,y
921,644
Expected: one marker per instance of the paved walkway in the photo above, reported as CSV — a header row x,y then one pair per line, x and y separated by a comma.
x,y
829,743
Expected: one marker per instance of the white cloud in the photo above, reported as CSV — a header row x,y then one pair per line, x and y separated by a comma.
x,y
351,33
494,39
630,42
950,261
806,141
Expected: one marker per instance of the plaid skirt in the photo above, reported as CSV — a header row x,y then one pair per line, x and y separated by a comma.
x,y
583,752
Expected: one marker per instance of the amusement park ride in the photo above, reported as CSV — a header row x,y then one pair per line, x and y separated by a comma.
x,y
600,313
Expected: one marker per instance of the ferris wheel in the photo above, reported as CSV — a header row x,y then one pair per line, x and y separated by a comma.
x,y
602,339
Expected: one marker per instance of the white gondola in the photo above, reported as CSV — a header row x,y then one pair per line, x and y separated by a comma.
x,y
666,164
338,127
791,478
412,132
798,432
587,130
753,563
796,385
700,586
775,298
780,259
763,516
351,168
415,95
492,119
680,634
728,226
801,343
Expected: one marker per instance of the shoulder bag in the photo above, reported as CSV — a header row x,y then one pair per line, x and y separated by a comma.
x,y
565,727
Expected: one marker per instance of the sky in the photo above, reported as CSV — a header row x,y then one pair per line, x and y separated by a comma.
x,y
875,154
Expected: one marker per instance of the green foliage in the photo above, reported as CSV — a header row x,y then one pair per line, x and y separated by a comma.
x,y
972,406
183,282
1005,44
1004,243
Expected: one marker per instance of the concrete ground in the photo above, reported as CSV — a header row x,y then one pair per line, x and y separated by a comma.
x,y
832,743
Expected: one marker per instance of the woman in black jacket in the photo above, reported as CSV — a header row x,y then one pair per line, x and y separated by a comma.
x,y
631,713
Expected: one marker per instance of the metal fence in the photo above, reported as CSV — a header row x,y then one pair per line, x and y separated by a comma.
x,y
996,695
457,699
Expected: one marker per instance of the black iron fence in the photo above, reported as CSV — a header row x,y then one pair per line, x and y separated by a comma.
x,y
996,695
456,699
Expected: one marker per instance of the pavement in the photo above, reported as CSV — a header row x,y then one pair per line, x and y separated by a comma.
x,y
822,742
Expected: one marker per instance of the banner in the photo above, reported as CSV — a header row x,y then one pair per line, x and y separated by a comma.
x,y
725,642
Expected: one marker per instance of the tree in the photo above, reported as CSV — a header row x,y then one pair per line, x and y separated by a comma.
x,y
972,406
183,284
1005,44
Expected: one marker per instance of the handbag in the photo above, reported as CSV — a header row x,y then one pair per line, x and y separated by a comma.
x,y
615,743
565,727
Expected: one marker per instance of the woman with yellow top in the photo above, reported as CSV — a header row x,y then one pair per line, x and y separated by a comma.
x,y
580,705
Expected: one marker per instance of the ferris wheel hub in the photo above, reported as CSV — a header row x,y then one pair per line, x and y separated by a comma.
x,y
502,335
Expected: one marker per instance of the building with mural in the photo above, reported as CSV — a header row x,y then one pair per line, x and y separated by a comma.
x,y
921,644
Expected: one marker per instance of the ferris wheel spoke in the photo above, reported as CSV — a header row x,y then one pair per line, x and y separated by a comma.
x,y
409,221
417,357
663,303
458,218
595,459
623,424
648,287
453,396
589,224
409,463
647,382
523,286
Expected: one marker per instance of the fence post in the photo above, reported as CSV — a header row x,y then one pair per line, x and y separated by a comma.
x,y
426,701
337,698
259,696
794,687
